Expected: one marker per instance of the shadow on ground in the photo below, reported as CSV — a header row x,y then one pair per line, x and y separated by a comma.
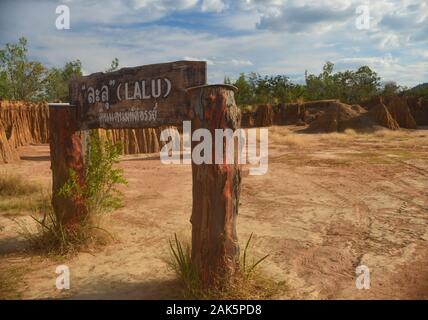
x,y
154,289
12,245
36,158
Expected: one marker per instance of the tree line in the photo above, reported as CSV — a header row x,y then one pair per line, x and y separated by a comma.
x,y
350,86
23,79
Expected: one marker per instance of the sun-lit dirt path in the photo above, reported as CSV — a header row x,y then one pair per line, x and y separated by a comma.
x,y
328,204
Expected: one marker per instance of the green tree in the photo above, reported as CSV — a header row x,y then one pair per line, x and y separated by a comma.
x,y
420,90
114,65
245,95
255,89
20,79
56,84
390,88
349,86
365,83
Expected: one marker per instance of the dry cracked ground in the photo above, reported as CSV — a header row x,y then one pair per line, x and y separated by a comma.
x,y
329,203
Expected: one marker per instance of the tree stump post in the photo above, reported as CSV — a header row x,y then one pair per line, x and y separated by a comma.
x,y
216,189
66,156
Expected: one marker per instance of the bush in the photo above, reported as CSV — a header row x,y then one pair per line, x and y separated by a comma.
x,y
100,194
100,191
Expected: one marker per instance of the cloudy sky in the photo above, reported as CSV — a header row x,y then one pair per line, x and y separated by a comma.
x,y
265,36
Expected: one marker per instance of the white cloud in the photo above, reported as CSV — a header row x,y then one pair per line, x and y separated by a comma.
x,y
213,5
165,5
304,18
389,41
265,36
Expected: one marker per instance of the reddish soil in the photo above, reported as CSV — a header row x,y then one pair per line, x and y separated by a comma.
x,y
329,203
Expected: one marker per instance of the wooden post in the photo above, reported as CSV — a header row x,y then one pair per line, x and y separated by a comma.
x,y
216,189
66,155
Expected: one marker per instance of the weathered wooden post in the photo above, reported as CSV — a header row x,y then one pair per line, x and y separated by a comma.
x,y
216,189
66,156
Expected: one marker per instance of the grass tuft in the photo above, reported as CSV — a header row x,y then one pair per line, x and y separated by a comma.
x,y
248,283
183,267
385,133
18,196
51,237
246,269
14,185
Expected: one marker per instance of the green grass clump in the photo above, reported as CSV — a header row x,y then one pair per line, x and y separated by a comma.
x,y
248,283
52,237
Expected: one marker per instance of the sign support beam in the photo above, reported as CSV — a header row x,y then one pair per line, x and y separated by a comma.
x,y
216,189
66,157
147,97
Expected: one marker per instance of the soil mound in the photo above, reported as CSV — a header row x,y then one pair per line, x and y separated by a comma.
x,y
341,116
382,117
358,108
419,110
8,154
137,140
423,118
301,113
264,115
336,118
247,119
398,108
371,103
26,123
290,113
312,110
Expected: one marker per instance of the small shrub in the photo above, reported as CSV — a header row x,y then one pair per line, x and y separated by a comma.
x,y
100,191
52,237
100,194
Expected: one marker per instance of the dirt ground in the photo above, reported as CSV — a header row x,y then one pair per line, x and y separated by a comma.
x,y
329,203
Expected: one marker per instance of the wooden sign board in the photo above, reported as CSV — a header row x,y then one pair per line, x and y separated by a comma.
x,y
141,97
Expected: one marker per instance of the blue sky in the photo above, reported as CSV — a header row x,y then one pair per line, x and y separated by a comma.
x,y
265,36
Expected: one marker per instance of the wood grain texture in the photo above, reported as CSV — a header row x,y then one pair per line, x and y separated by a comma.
x,y
66,155
216,190
141,97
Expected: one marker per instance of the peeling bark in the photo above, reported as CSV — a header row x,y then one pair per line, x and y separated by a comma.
x,y
216,190
66,154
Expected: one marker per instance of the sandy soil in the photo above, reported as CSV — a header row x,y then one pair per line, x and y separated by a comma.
x,y
328,204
